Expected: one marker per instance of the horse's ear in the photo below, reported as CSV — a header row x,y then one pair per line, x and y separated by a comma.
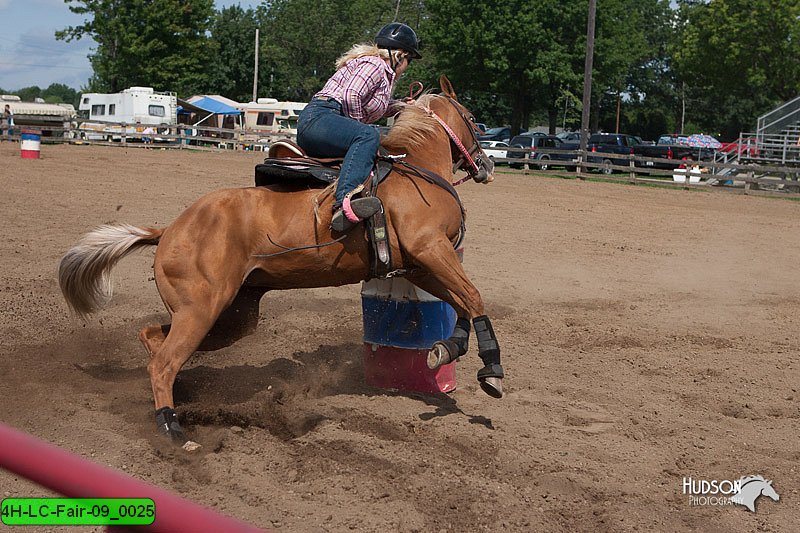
x,y
447,87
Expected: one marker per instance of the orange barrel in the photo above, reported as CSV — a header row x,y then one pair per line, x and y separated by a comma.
x,y
30,143
401,323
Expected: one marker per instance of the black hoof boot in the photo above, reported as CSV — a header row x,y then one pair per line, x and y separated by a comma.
x,y
168,426
441,353
490,378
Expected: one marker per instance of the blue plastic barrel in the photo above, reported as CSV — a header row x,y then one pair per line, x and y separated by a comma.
x,y
401,323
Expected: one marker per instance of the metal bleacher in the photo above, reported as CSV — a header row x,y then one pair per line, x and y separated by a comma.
x,y
777,136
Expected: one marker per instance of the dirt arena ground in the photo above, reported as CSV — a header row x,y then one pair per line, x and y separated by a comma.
x,y
648,335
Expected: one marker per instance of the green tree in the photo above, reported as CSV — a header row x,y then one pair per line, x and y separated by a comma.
x,y
232,62
158,43
490,50
641,81
58,93
737,60
533,53
29,94
303,38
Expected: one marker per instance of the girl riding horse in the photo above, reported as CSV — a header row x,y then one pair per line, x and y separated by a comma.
x,y
218,258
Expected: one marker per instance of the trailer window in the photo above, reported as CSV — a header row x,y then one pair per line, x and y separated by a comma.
x,y
265,119
112,108
98,110
156,110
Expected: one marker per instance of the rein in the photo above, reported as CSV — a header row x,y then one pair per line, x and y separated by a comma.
x,y
466,155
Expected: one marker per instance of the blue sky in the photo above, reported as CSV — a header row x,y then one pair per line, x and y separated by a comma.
x,y
31,55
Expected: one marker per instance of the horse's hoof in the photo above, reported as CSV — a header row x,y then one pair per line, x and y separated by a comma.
x,y
492,386
438,356
168,426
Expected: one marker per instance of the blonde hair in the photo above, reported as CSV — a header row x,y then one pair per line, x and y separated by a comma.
x,y
367,49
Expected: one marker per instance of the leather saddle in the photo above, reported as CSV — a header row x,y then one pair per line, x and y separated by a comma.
x,y
287,163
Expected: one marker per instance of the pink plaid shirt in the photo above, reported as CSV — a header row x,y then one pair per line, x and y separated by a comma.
x,y
364,88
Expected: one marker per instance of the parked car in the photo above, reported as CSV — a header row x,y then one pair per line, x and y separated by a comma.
x,y
481,126
674,147
607,145
495,150
497,134
537,141
570,136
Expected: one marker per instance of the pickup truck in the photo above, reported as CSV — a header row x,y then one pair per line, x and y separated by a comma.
x,y
608,144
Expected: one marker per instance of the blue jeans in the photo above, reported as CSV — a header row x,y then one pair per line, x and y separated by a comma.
x,y
322,131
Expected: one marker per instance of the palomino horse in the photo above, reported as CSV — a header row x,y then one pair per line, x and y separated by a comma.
x,y
218,258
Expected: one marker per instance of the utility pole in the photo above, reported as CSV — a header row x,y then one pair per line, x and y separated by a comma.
x,y
255,71
683,105
587,80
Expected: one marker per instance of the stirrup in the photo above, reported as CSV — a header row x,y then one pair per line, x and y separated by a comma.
x,y
362,208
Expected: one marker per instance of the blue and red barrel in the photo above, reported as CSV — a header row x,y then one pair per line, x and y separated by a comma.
x,y
401,323
30,144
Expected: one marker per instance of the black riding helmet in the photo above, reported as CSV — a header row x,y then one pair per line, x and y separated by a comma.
x,y
398,36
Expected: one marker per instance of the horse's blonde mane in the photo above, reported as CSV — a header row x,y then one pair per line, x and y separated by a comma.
x,y
413,125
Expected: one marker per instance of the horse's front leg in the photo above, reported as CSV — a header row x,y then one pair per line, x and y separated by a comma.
x,y
448,281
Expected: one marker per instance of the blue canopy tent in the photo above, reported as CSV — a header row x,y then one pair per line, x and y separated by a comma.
x,y
209,106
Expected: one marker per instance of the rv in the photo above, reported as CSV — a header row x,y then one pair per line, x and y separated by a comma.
x,y
54,120
268,115
137,108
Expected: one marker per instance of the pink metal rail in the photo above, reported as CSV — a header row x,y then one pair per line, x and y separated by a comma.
x,y
75,477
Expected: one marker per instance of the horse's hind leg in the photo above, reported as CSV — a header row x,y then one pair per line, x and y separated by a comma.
x,y
171,345
188,329
152,337
453,286
237,321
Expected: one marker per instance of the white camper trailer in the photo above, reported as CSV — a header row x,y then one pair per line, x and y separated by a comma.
x,y
54,120
268,115
137,108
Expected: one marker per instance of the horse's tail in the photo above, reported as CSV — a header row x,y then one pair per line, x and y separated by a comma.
x,y
84,271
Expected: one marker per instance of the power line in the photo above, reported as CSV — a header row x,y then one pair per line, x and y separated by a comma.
x,y
35,65
21,43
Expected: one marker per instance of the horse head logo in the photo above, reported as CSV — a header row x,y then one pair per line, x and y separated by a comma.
x,y
751,488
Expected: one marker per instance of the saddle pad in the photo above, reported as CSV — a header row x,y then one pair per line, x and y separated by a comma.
x,y
293,171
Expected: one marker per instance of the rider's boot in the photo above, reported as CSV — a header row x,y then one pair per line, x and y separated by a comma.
x,y
353,211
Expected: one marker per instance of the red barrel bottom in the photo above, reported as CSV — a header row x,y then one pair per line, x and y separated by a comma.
x,y
29,154
387,367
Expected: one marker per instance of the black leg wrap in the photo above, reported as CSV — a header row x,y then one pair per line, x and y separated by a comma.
x,y
460,336
488,349
491,375
168,425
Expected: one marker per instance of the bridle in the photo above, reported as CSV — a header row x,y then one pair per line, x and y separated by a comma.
x,y
465,156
